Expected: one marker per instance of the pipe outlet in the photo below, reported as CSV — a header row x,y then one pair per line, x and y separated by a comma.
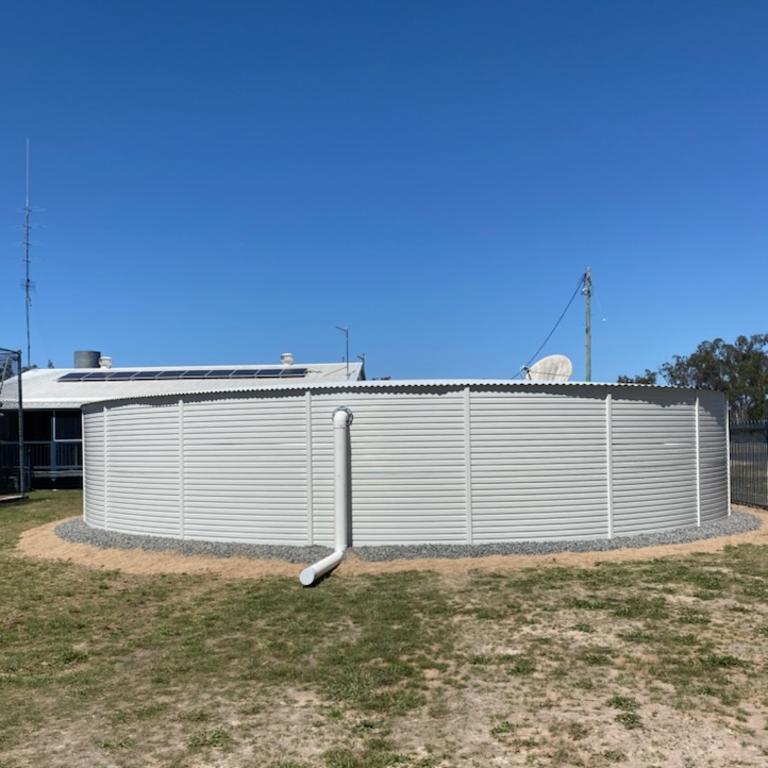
x,y
342,418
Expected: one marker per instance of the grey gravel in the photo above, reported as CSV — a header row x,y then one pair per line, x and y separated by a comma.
x,y
78,532
738,522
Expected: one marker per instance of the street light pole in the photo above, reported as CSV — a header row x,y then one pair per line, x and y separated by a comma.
x,y
345,330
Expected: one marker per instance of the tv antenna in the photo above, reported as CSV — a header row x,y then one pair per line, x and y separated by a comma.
x,y
27,284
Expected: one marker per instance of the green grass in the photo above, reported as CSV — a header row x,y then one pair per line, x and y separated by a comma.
x,y
625,703
175,670
521,666
629,720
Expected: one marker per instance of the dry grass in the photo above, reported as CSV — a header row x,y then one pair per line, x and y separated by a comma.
x,y
648,663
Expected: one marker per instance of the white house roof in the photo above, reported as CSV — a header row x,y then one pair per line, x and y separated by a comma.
x,y
64,388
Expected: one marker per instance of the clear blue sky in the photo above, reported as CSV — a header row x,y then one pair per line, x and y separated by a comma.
x,y
220,182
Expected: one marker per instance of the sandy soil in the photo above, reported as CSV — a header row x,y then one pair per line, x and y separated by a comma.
x,y
42,542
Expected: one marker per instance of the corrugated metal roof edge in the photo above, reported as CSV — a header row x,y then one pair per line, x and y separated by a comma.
x,y
390,384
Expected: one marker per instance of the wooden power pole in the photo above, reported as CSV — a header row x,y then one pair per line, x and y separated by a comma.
x,y
587,291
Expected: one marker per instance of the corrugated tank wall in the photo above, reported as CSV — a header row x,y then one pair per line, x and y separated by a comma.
x,y
713,454
538,463
142,482
408,466
93,467
245,470
654,460
429,464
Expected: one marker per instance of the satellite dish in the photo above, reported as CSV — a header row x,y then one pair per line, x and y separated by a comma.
x,y
550,368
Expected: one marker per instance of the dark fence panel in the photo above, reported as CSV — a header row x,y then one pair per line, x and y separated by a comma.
x,y
13,479
10,477
44,460
749,463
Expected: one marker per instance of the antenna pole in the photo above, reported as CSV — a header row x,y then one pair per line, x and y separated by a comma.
x,y
587,291
345,330
22,450
27,282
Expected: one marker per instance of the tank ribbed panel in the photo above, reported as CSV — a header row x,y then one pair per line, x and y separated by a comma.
x,y
538,465
142,467
654,461
712,453
408,467
245,470
93,468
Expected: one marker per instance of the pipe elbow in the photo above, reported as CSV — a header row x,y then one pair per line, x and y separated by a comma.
x,y
342,417
313,572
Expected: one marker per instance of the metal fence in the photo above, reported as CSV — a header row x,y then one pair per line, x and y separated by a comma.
x,y
45,459
749,463
14,476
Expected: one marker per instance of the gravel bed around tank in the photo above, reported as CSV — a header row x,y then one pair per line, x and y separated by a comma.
x,y
78,532
738,522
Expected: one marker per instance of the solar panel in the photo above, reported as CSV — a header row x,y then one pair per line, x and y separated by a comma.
x,y
186,373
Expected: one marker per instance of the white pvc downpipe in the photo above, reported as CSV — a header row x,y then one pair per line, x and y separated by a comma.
x,y
342,418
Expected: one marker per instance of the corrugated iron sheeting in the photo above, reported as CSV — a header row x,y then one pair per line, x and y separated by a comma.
x,y
654,461
713,414
538,466
436,462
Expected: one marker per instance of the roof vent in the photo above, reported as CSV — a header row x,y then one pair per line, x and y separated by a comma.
x,y
105,361
286,358
87,358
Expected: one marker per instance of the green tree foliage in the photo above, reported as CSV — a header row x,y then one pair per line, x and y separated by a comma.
x,y
739,369
648,377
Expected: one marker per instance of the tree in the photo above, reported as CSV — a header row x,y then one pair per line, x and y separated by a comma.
x,y
740,370
649,377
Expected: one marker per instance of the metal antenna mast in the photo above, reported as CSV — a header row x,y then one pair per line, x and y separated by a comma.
x,y
345,331
27,281
587,291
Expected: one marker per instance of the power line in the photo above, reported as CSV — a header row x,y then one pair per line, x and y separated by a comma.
x,y
555,326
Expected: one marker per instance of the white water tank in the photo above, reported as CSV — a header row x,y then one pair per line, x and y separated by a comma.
x,y
438,462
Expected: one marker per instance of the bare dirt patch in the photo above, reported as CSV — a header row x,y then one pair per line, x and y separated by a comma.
x,y
42,542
